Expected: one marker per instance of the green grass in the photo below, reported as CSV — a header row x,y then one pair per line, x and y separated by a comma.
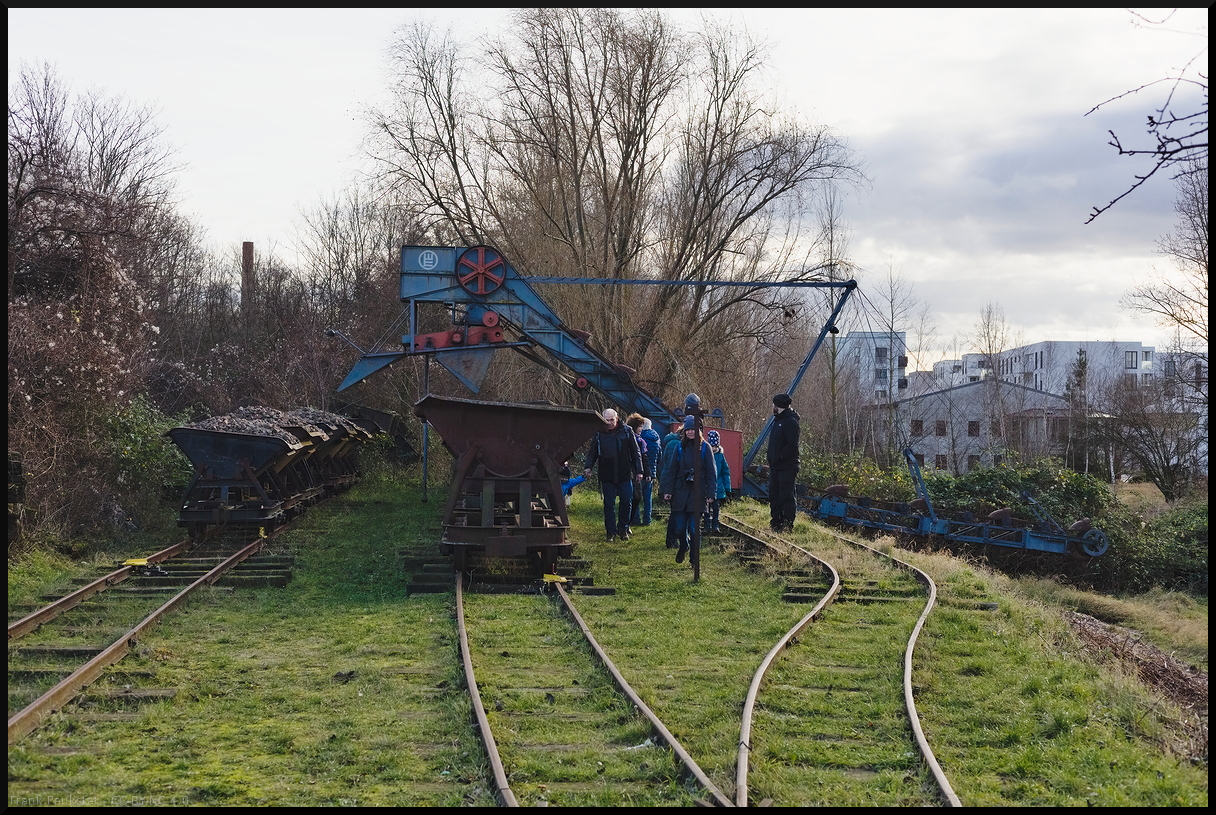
x,y
260,719
1016,711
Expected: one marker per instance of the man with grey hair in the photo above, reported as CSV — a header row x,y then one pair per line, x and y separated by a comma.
x,y
615,449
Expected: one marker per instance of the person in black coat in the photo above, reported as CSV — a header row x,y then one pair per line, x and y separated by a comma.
x,y
689,481
783,464
615,449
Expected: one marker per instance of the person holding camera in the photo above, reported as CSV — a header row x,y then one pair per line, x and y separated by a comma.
x,y
689,482
783,464
615,448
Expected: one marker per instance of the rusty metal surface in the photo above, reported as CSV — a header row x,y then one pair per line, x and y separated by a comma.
x,y
508,434
30,622
26,720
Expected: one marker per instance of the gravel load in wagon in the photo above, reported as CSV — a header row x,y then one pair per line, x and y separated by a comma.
x,y
223,454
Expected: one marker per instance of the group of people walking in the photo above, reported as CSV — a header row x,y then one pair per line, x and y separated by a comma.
x,y
692,472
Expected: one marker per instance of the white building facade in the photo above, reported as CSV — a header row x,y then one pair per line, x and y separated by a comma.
x,y
880,359
975,425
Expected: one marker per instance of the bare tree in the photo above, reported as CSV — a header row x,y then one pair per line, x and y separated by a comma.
x,y
891,307
1180,136
991,335
604,144
1162,436
90,222
1179,301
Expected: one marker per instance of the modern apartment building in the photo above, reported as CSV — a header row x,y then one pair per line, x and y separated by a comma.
x,y
880,359
1047,366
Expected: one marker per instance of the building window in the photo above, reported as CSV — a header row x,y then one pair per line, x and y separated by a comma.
x,y
995,429
939,427
1131,359
880,354
973,429
1168,368
973,463
880,374
1146,380
920,459
1148,356
939,463
918,427
973,379
997,461
880,394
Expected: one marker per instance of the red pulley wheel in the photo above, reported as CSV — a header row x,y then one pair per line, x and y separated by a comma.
x,y
480,270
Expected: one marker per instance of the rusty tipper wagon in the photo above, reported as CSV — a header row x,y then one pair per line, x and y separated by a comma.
x,y
506,497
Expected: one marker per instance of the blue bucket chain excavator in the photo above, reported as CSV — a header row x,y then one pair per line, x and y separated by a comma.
x,y
485,295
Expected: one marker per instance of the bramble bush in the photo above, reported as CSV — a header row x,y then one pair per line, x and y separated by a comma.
x,y
861,474
1169,552
142,456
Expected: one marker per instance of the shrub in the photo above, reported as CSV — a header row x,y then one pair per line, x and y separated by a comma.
x,y
861,474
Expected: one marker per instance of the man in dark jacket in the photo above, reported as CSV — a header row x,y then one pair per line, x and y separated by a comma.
x,y
615,448
783,464
689,480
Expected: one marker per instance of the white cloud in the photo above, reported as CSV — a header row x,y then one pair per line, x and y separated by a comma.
x,y
984,166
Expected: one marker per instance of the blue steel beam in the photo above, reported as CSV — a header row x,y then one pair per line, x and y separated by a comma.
x,y
429,275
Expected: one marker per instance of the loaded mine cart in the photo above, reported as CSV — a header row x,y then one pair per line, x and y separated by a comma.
x,y
236,478
505,498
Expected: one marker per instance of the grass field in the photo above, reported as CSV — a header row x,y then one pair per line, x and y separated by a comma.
x,y
342,690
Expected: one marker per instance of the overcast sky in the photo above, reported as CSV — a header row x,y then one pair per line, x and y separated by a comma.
x,y
983,164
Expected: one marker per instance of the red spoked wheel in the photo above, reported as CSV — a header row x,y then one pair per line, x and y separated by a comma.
x,y
480,270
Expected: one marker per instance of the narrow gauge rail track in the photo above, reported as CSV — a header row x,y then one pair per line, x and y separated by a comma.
x,y
98,632
830,685
606,736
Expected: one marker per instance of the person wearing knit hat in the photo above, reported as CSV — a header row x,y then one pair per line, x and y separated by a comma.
x,y
722,488
783,464
688,482
648,444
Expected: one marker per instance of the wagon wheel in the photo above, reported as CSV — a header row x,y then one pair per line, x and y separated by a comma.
x,y
480,270
1095,543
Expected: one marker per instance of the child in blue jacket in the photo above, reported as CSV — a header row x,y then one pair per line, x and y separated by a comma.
x,y
723,486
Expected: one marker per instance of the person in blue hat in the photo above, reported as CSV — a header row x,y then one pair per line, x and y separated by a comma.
x,y
689,480
723,484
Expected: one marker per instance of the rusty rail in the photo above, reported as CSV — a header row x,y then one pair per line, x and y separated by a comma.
x,y
483,722
922,743
909,703
27,624
27,720
749,703
718,798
